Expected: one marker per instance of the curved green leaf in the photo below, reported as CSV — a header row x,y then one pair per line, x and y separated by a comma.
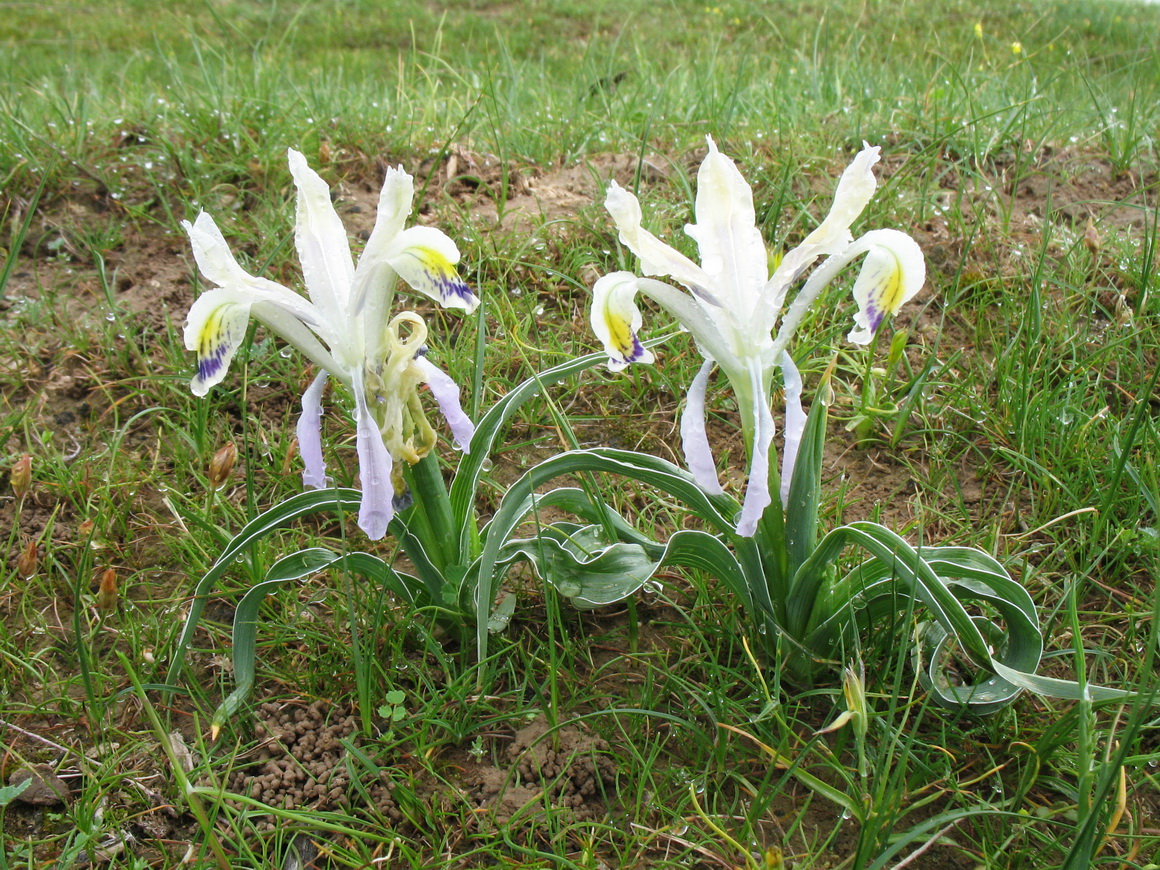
x,y
941,579
471,464
294,567
717,510
279,515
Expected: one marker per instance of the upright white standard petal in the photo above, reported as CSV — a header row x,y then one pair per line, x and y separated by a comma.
x,y
855,189
374,279
323,247
656,258
732,251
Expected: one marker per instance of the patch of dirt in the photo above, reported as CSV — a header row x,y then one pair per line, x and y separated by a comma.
x,y
523,198
301,762
564,767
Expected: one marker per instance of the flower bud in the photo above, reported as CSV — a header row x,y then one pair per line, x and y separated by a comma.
x,y
21,476
222,464
26,562
854,688
107,592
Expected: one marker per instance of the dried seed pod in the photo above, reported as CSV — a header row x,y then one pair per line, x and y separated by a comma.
x,y
21,476
1091,238
222,465
107,593
26,562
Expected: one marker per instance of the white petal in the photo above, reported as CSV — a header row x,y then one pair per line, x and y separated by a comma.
x,y
733,253
855,189
425,258
616,320
323,247
309,431
698,454
795,423
892,273
374,464
374,279
215,327
394,203
446,393
656,258
216,323
214,259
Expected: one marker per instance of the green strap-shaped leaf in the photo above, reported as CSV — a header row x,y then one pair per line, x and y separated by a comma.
x,y
294,567
282,514
471,464
582,565
718,510
338,500
805,488
941,579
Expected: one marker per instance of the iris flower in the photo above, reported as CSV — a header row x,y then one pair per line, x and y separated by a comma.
x,y
344,328
732,304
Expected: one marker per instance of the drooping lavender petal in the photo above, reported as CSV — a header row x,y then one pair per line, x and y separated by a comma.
x,y
309,432
698,454
757,497
374,463
446,393
795,422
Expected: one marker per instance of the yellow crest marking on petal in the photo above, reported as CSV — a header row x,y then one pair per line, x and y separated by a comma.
x,y
436,276
216,342
621,335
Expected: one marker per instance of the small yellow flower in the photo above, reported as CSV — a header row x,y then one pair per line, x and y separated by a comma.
x,y
1017,47
979,29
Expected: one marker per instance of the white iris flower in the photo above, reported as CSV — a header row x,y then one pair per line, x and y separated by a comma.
x,y
733,304
344,327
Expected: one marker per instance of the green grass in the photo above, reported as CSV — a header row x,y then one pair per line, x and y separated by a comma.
x,y
1025,422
